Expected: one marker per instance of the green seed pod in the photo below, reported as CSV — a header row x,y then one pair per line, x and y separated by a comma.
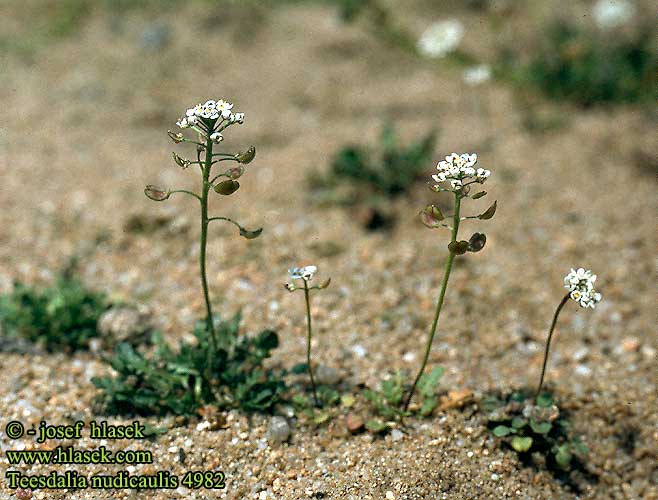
x,y
431,216
227,187
180,161
479,195
489,212
176,137
477,242
250,235
156,193
458,247
235,172
246,156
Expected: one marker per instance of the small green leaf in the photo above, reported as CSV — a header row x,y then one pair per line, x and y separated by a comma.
x,y
376,426
540,427
521,444
518,422
518,397
545,400
321,417
579,447
479,195
299,400
458,247
153,431
428,406
429,383
501,431
299,368
563,456
489,212
347,400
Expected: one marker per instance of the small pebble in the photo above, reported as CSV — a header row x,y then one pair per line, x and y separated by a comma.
x,y
396,434
278,430
326,375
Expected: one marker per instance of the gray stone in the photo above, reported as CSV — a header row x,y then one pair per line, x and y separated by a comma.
x,y
326,375
278,430
125,324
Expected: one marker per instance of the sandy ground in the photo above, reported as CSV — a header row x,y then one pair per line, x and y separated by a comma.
x,y
84,130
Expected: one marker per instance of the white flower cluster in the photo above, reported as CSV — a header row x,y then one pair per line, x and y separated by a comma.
x,y
305,273
581,285
458,168
210,110
441,38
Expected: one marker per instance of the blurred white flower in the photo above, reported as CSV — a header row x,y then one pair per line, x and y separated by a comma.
x,y
610,14
458,168
580,283
476,75
305,273
216,137
441,38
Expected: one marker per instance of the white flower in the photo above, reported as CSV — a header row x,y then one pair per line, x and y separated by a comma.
x,y
476,75
580,284
305,273
609,14
458,168
441,38
216,137
210,110
224,108
482,174
455,184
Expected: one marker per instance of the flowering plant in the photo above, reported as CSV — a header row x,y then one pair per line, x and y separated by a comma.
x,y
305,275
580,284
457,174
209,121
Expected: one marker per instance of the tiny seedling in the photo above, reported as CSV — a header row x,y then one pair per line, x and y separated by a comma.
x,y
386,402
305,275
458,174
540,427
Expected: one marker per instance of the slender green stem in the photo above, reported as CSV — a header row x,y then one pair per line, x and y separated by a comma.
x,y
439,304
565,299
308,342
210,325
186,192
